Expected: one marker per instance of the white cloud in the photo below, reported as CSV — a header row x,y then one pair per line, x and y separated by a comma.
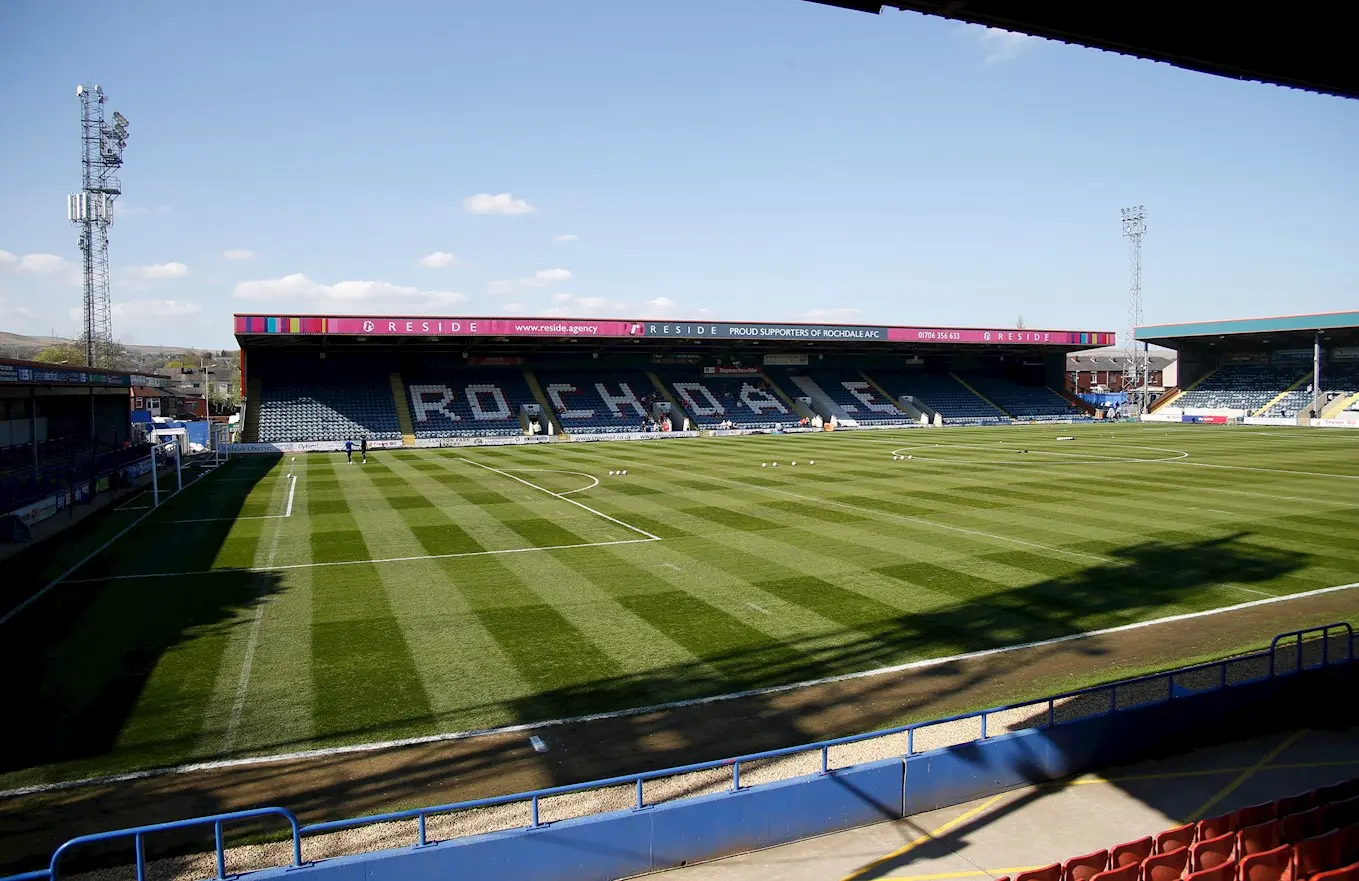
x,y
659,307
238,254
565,237
163,270
13,313
545,277
512,308
438,260
561,298
590,303
1001,45
501,203
830,315
150,308
33,264
298,287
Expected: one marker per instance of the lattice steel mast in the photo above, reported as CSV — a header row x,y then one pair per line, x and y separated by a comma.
x,y
1134,366
92,211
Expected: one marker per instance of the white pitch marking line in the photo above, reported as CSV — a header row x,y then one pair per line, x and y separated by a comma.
x,y
672,566
560,471
593,544
83,560
537,743
758,608
628,526
671,705
243,682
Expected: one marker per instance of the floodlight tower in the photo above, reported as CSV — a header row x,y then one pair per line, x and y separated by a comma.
x,y
1134,227
92,211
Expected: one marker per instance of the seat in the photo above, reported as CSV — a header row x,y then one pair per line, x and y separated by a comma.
x,y
1212,853
1084,867
1176,838
1254,815
1167,866
1320,854
1047,873
1257,838
1130,853
1268,865
1293,804
1214,827
1335,792
1350,850
1346,873
1296,827
1222,872
1127,872
1339,814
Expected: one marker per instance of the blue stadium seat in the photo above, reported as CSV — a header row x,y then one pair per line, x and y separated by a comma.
x,y
856,396
710,400
1025,401
943,394
449,399
596,402
1241,387
304,399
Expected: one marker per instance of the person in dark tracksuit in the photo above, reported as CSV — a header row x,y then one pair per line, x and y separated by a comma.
x,y
349,451
363,449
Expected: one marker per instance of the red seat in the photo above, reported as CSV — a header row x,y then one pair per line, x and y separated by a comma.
x,y
1296,827
1216,826
1269,865
1083,868
1257,838
1293,804
1350,850
1335,792
1174,839
1127,872
1223,872
1047,873
1348,873
1129,853
1339,814
1168,866
1212,853
1320,854
1255,815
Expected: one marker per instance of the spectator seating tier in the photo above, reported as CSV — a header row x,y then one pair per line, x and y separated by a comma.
x,y
745,401
314,400
1025,401
593,403
448,399
857,397
943,394
1240,387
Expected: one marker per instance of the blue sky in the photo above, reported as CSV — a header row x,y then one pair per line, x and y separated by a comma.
x,y
742,159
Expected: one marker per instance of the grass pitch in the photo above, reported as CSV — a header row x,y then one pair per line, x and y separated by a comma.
x,y
435,591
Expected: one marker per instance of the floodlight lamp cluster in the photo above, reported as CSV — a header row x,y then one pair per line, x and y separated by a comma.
x,y
115,136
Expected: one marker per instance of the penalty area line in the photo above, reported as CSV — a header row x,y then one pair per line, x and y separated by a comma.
x,y
558,495
670,705
592,544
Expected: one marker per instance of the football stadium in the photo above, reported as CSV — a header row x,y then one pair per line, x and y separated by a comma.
x,y
462,596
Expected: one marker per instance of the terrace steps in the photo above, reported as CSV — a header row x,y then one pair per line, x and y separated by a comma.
x,y
1338,406
1280,396
549,415
915,412
665,393
1169,399
958,379
403,410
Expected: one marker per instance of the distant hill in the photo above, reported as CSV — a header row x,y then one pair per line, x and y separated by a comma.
x,y
18,342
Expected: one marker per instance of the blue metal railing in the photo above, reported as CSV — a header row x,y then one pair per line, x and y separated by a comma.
x,y
138,833
535,797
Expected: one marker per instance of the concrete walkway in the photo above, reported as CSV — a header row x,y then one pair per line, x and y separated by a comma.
x,y
1032,827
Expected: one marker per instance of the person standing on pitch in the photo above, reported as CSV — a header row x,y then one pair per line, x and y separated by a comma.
x,y
363,449
349,451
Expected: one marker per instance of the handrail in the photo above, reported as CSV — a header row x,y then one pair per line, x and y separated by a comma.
x,y
1325,631
137,833
534,797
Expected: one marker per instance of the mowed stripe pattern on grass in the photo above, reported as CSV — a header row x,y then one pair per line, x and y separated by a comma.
x,y
762,576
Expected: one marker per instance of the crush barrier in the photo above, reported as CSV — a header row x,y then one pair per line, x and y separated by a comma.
x,y
650,836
